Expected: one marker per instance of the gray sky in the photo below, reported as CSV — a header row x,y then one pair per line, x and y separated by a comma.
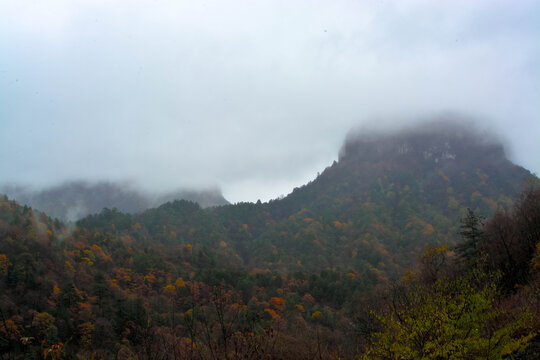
x,y
253,96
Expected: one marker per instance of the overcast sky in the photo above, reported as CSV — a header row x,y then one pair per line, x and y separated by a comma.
x,y
252,96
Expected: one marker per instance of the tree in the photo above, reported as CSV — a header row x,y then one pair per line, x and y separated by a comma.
x,y
451,319
471,231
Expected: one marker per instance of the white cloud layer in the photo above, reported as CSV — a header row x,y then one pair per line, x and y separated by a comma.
x,y
252,96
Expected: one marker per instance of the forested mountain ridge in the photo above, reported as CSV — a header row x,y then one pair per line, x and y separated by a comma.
x,y
301,277
371,211
385,193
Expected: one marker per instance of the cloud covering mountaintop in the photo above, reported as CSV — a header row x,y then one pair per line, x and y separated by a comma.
x,y
254,97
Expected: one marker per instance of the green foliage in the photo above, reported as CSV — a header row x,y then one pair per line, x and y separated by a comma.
x,y
452,318
472,233
292,278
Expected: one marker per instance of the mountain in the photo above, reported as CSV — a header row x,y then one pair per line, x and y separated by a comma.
x,y
303,277
74,200
386,197
372,211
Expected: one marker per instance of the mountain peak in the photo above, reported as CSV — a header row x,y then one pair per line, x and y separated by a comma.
x,y
435,142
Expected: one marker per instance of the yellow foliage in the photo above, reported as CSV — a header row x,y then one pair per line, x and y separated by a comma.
x,y
169,288
431,251
491,203
88,261
409,275
337,224
69,266
85,331
475,195
189,312
308,219
452,203
316,314
179,282
300,307
245,226
428,230
223,243
351,274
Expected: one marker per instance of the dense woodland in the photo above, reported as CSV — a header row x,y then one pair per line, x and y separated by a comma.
x,y
418,246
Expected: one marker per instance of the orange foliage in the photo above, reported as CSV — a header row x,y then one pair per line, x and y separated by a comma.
x,y
271,312
169,289
56,290
536,260
150,278
428,230
10,330
4,264
278,303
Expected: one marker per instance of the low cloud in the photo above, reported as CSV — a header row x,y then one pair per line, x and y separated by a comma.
x,y
253,97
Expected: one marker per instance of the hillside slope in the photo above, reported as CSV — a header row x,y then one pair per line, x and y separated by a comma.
x,y
295,278
387,197
371,212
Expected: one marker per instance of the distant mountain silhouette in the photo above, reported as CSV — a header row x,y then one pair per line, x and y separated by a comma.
x,y
74,200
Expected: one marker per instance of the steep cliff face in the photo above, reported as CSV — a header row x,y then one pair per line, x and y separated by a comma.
x,y
466,160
